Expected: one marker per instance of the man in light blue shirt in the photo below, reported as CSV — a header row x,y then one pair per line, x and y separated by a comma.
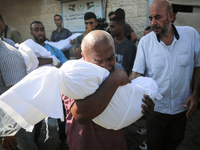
x,y
38,32
170,55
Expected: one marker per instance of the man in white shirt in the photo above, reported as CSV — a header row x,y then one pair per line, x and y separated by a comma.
x,y
170,55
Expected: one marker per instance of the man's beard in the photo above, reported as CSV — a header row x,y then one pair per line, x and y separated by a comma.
x,y
40,41
164,30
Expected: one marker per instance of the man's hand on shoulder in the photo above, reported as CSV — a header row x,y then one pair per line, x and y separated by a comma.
x,y
9,142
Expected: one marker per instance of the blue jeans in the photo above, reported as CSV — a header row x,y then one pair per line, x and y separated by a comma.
x,y
25,141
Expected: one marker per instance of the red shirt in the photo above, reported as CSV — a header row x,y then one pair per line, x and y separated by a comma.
x,y
91,136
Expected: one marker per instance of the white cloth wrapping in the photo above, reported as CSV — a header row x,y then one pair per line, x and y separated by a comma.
x,y
125,105
8,127
38,95
30,50
35,97
64,44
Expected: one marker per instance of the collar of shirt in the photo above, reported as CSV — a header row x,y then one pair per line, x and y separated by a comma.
x,y
175,33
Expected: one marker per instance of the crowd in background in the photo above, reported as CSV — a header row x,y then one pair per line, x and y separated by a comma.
x,y
167,53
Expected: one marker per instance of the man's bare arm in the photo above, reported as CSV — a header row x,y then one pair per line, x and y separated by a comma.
x,y
192,100
45,61
86,109
78,52
133,37
134,75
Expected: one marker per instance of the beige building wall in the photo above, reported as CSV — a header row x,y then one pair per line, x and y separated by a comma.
x,y
20,13
188,18
136,13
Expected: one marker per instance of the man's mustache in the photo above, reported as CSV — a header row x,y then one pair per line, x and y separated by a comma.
x,y
40,36
156,27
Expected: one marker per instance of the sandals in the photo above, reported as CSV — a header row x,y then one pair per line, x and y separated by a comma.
x,y
142,131
143,145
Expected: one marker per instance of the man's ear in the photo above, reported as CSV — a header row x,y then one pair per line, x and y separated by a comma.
x,y
171,16
82,54
96,23
31,33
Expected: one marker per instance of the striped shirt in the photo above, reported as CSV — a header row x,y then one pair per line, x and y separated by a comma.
x,y
12,66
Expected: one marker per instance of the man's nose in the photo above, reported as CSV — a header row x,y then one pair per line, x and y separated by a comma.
x,y
106,65
40,31
153,22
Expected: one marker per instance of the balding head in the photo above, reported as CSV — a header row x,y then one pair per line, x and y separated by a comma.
x,y
96,38
98,48
163,4
161,16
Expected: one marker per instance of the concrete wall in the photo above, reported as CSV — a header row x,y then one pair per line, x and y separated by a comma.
x,y
136,13
20,13
188,18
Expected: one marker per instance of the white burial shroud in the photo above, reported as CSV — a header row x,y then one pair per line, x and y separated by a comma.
x,y
65,43
30,50
38,95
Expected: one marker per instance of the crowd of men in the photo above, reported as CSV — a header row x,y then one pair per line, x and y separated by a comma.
x,y
167,53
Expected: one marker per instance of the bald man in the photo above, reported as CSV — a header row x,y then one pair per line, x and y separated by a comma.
x,y
170,55
81,132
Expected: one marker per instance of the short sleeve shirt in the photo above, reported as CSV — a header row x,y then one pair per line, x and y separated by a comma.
x,y
12,66
127,31
125,54
170,66
91,136
78,41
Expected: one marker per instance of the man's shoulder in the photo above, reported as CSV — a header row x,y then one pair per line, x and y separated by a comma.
x,y
185,30
53,32
127,27
128,43
7,49
80,37
65,29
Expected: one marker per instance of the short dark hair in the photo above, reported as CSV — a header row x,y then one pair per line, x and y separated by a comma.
x,y
1,18
120,11
37,22
90,15
111,13
58,16
119,19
